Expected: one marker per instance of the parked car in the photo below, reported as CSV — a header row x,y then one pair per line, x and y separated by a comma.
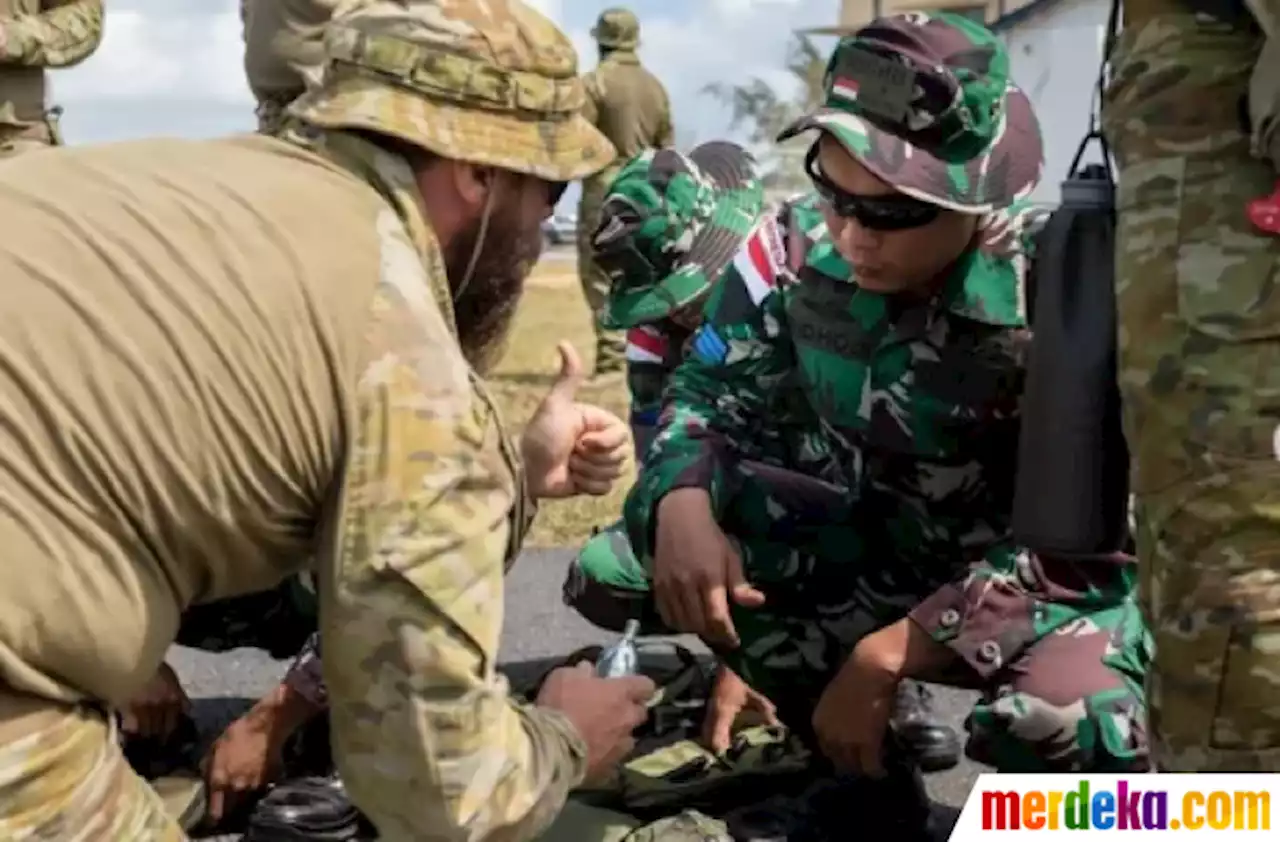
x,y
560,228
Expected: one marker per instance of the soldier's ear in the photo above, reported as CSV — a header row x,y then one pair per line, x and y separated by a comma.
x,y
473,183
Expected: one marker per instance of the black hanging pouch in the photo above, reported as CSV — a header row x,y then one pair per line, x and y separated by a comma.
x,y
1072,491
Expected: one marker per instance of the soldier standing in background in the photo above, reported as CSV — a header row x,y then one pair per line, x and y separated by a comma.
x,y
1191,115
283,52
629,106
34,36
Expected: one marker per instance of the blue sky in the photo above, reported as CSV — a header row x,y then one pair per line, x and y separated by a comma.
x,y
173,67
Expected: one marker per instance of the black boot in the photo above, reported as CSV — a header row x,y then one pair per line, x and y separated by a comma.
x,y
933,744
308,810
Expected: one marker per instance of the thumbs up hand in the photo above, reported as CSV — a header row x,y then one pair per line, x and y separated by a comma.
x,y
573,448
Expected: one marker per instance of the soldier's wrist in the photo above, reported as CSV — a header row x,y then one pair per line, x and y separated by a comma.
x,y
689,500
288,707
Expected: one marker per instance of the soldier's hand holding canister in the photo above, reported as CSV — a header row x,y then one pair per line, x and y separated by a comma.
x,y
697,570
605,711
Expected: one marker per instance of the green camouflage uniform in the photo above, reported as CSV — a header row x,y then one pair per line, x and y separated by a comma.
x,y
669,225
283,52
336,448
860,450
630,106
36,35
1200,368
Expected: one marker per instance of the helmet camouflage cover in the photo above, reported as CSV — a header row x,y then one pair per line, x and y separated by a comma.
x,y
618,29
490,82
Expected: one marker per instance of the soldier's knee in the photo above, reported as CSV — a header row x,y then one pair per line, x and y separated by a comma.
x,y
1020,732
604,583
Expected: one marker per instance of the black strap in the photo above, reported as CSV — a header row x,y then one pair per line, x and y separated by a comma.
x,y
1095,110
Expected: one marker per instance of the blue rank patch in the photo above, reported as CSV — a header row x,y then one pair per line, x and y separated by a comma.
x,y
709,345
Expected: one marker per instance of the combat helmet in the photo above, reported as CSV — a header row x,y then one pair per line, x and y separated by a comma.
x,y
669,226
490,82
617,29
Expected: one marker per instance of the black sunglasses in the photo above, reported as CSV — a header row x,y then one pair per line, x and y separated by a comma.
x,y
875,213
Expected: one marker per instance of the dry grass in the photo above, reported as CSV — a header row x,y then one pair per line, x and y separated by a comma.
x,y
553,309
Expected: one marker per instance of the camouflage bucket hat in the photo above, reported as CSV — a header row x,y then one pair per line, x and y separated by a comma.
x,y
489,82
924,101
669,226
618,29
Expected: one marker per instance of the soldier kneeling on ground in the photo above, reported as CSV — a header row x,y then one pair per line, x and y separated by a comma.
x,y
828,499
670,226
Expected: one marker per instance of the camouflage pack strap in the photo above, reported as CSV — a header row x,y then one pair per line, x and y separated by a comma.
x,y
445,75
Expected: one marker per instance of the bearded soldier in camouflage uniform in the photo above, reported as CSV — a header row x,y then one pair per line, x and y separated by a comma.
x,y
299,316
669,227
283,52
36,35
1192,113
827,502
630,106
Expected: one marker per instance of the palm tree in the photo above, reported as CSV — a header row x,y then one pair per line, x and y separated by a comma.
x,y
767,112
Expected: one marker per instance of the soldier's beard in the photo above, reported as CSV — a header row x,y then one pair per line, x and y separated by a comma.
x,y
487,303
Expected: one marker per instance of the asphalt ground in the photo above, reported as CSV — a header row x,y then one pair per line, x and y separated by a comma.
x,y
539,631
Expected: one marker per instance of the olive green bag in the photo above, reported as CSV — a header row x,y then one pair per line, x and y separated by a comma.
x,y
670,770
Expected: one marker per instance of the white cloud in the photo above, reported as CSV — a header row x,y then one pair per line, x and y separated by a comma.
x,y
145,55
179,62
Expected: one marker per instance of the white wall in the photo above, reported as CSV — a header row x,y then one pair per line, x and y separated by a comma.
x,y
1054,57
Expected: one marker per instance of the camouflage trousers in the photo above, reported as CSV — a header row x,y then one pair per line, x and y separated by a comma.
x,y
63,778
610,345
1069,702
1200,374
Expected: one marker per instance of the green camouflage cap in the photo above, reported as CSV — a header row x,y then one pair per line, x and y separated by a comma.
x,y
669,226
617,28
924,101
490,82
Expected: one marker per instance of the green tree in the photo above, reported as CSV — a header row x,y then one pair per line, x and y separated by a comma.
x,y
765,111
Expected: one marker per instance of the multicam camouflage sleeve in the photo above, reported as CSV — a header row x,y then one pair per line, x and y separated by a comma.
x,y
715,402
428,739
65,33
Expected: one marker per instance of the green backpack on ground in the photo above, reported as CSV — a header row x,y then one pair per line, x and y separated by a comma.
x,y
672,788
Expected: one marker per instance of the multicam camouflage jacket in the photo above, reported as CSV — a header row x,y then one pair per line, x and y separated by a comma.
x,y
913,409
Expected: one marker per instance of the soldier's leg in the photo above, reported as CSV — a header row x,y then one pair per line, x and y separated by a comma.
x,y
610,345
607,585
1072,702
63,777
1200,369
813,615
